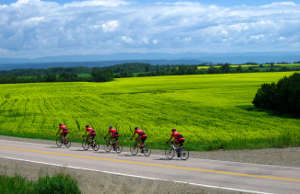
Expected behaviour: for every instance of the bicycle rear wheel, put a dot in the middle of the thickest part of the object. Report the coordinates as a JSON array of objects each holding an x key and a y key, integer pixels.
[
  {"x": 184, "y": 154},
  {"x": 58, "y": 141},
  {"x": 133, "y": 149},
  {"x": 170, "y": 153}
]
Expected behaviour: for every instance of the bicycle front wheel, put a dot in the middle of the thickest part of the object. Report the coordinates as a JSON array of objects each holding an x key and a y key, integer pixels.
[
  {"x": 58, "y": 141},
  {"x": 96, "y": 146},
  {"x": 119, "y": 149},
  {"x": 107, "y": 146},
  {"x": 68, "y": 144},
  {"x": 133, "y": 149},
  {"x": 170, "y": 153},
  {"x": 85, "y": 144}
]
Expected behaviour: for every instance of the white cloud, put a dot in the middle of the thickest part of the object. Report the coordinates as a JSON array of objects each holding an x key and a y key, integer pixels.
[
  {"x": 187, "y": 39},
  {"x": 94, "y": 3},
  {"x": 282, "y": 38},
  {"x": 110, "y": 26},
  {"x": 127, "y": 39},
  {"x": 257, "y": 37},
  {"x": 38, "y": 28},
  {"x": 281, "y": 4}
]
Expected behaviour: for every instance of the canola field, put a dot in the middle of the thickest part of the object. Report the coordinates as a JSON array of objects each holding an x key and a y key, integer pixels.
[{"x": 211, "y": 111}]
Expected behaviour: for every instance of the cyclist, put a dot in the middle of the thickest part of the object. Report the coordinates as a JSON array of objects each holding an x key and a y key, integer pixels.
[
  {"x": 179, "y": 140},
  {"x": 141, "y": 137},
  {"x": 64, "y": 133},
  {"x": 92, "y": 133},
  {"x": 114, "y": 138}
]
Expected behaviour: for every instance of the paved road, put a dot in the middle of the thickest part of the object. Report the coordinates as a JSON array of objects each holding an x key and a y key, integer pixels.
[{"x": 219, "y": 174}]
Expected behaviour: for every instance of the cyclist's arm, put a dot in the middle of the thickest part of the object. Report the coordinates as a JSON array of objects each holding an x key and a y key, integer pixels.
[
  {"x": 170, "y": 138},
  {"x": 58, "y": 131},
  {"x": 106, "y": 135},
  {"x": 133, "y": 135}
]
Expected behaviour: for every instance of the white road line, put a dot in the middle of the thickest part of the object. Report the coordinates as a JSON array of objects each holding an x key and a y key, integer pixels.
[
  {"x": 221, "y": 161},
  {"x": 135, "y": 176}
]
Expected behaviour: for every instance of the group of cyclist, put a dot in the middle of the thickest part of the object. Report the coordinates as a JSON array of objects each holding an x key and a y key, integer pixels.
[{"x": 90, "y": 134}]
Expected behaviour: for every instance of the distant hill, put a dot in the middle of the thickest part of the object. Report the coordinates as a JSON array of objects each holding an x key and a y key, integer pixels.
[{"x": 151, "y": 58}]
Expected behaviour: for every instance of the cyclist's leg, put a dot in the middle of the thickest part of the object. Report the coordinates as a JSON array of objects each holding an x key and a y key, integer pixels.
[
  {"x": 111, "y": 142},
  {"x": 66, "y": 138},
  {"x": 116, "y": 142},
  {"x": 177, "y": 147},
  {"x": 88, "y": 138},
  {"x": 139, "y": 141},
  {"x": 61, "y": 136},
  {"x": 143, "y": 139}
]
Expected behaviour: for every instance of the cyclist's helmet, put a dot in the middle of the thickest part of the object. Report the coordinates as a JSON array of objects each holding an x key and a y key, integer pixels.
[
  {"x": 110, "y": 127},
  {"x": 135, "y": 128},
  {"x": 87, "y": 126},
  {"x": 173, "y": 129}
]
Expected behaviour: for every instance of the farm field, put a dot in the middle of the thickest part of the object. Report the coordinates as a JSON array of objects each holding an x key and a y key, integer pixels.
[
  {"x": 211, "y": 111},
  {"x": 276, "y": 65}
]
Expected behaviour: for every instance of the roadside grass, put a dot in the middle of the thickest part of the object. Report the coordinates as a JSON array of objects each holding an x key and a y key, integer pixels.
[
  {"x": 60, "y": 183},
  {"x": 211, "y": 111}
]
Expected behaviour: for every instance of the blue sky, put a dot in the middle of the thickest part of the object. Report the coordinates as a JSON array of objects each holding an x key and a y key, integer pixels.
[
  {"x": 217, "y": 2},
  {"x": 37, "y": 28}
]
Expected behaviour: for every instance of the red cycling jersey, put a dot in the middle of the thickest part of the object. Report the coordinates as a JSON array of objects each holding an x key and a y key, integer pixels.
[
  {"x": 91, "y": 130},
  {"x": 140, "y": 133},
  {"x": 114, "y": 132},
  {"x": 64, "y": 128},
  {"x": 177, "y": 136}
]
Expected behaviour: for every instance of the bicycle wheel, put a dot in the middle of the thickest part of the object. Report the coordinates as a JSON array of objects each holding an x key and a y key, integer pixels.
[
  {"x": 58, "y": 141},
  {"x": 170, "y": 153},
  {"x": 68, "y": 144},
  {"x": 85, "y": 144},
  {"x": 147, "y": 151},
  {"x": 133, "y": 149},
  {"x": 107, "y": 146},
  {"x": 96, "y": 146},
  {"x": 119, "y": 148},
  {"x": 184, "y": 154}
]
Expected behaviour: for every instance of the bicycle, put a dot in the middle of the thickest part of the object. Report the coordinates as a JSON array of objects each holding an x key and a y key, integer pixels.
[
  {"x": 86, "y": 144},
  {"x": 111, "y": 144},
  {"x": 60, "y": 140},
  {"x": 135, "y": 149},
  {"x": 182, "y": 153}
]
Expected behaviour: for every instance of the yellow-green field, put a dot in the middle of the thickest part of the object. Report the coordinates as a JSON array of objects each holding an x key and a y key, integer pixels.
[
  {"x": 264, "y": 65},
  {"x": 211, "y": 111}
]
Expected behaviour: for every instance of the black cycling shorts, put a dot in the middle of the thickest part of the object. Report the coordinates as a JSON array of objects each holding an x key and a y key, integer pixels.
[{"x": 143, "y": 139}]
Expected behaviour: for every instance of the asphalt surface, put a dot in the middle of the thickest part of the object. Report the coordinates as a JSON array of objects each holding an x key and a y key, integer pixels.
[{"x": 234, "y": 176}]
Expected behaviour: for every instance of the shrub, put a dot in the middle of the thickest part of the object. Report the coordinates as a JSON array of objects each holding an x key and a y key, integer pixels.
[
  {"x": 16, "y": 184},
  {"x": 59, "y": 184},
  {"x": 283, "y": 96}
]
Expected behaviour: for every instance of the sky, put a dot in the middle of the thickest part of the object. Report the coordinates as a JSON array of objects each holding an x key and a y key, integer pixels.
[{"x": 39, "y": 28}]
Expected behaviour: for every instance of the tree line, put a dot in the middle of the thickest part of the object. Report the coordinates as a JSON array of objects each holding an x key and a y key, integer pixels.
[
  {"x": 282, "y": 97},
  {"x": 102, "y": 74}
]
